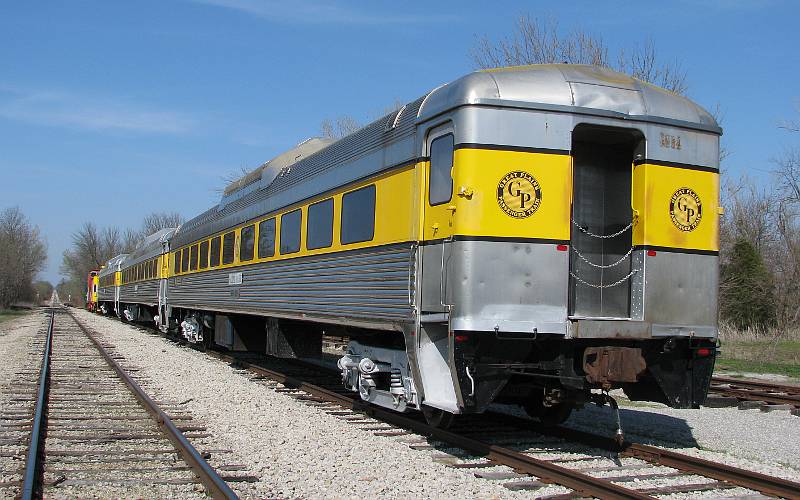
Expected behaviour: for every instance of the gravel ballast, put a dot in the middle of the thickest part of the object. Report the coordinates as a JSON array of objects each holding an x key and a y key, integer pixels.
[{"x": 297, "y": 450}]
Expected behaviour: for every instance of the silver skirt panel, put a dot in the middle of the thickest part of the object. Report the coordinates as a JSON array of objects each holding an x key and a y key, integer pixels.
[
  {"x": 372, "y": 286},
  {"x": 507, "y": 286},
  {"x": 145, "y": 292}
]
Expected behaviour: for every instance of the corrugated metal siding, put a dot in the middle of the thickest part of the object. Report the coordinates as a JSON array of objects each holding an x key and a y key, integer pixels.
[
  {"x": 369, "y": 284},
  {"x": 105, "y": 294},
  {"x": 145, "y": 292}
]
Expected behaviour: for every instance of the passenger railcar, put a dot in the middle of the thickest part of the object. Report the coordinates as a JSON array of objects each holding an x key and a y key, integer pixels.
[
  {"x": 535, "y": 235},
  {"x": 91, "y": 290},
  {"x": 109, "y": 279}
]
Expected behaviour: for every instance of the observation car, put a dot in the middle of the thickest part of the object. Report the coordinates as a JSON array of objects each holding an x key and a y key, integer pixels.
[{"x": 533, "y": 235}]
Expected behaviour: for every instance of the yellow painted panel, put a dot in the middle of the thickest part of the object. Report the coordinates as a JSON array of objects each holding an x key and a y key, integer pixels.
[
  {"x": 666, "y": 199},
  {"x": 396, "y": 220},
  {"x": 484, "y": 174}
]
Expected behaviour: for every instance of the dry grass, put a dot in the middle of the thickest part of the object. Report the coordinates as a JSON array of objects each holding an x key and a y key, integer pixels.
[{"x": 760, "y": 350}]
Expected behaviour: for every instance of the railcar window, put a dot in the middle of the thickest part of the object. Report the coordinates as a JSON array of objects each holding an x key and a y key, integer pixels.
[
  {"x": 319, "y": 229},
  {"x": 204, "y": 255},
  {"x": 215, "y": 243},
  {"x": 176, "y": 257},
  {"x": 228, "y": 243},
  {"x": 441, "y": 177},
  {"x": 185, "y": 260},
  {"x": 290, "y": 231},
  {"x": 358, "y": 215},
  {"x": 247, "y": 246},
  {"x": 266, "y": 238},
  {"x": 193, "y": 258}
]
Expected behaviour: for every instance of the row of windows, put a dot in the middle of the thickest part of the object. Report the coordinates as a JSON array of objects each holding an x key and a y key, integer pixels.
[
  {"x": 357, "y": 225},
  {"x": 107, "y": 280},
  {"x": 146, "y": 270}
]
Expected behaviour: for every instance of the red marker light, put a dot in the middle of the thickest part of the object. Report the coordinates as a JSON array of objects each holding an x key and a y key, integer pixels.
[
  {"x": 562, "y": 248},
  {"x": 461, "y": 338},
  {"x": 651, "y": 253},
  {"x": 703, "y": 351}
]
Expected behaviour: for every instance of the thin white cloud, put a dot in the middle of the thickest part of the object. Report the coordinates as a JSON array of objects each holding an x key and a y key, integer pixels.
[
  {"x": 61, "y": 109},
  {"x": 315, "y": 12}
]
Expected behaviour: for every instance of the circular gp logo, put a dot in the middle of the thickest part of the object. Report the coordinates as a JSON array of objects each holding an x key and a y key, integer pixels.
[
  {"x": 519, "y": 194},
  {"x": 685, "y": 209}
]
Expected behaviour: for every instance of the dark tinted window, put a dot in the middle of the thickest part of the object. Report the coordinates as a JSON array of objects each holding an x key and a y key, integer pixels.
[
  {"x": 177, "y": 262},
  {"x": 266, "y": 238},
  {"x": 319, "y": 231},
  {"x": 228, "y": 243},
  {"x": 215, "y": 246},
  {"x": 358, "y": 215},
  {"x": 184, "y": 260},
  {"x": 441, "y": 179},
  {"x": 193, "y": 258},
  {"x": 203, "y": 255},
  {"x": 247, "y": 246},
  {"x": 290, "y": 231}
]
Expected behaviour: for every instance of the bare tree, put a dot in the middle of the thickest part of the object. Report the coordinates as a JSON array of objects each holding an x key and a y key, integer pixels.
[
  {"x": 341, "y": 127},
  {"x": 23, "y": 254},
  {"x": 540, "y": 41},
  {"x": 157, "y": 221},
  {"x": 91, "y": 249}
]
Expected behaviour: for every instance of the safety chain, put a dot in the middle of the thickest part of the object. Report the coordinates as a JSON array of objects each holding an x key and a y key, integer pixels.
[
  {"x": 601, "y": 236},
  {"x": 598, "y": 265},
  {"x": 604, "y": 286}
]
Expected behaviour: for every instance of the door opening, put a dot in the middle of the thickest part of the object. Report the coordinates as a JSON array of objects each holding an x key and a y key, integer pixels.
[{"x": 602, "y": 221}]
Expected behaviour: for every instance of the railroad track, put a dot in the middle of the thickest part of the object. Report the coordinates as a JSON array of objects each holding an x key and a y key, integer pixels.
[
  {"x": 501, "y": 447},
  {"x": 786, "y": 396},
  {"x": 82, "y": 427},
  {"x": 490, "y": 444}
]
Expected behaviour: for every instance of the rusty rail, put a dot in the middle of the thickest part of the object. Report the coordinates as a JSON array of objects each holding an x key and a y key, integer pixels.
[
  {"x": 214, "y": 484},
  {"x": 583, "y": 484},
  {"x": 756, "y": 390},
  {"x": 757, "y": 481}
]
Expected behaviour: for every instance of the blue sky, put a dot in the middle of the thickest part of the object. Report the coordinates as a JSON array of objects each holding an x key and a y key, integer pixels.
[{"x": 110, "y": 110}]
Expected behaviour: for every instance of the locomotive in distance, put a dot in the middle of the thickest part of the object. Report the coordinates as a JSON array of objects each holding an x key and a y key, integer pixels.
[{"x": 532, "y": 235}]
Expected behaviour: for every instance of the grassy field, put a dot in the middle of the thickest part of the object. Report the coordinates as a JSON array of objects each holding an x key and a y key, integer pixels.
[
  {"x": 11, "y": 314},
  {"x": 760, "y": 351}
]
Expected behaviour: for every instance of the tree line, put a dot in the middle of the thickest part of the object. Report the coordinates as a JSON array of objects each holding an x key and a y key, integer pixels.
[
  {"x": 23, "y": 253},
  {"x": 92, "y": 247}
]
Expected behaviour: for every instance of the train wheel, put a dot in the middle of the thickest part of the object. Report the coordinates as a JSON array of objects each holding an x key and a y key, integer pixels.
[
  {"x": 549, "y": 416},
  {"x": 437, "y": 418}
]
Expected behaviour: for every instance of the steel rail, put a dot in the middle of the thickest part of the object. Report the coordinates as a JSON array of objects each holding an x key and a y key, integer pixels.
[
  {"x": 754, "y": 395},
  {"x": 215, "y": 485},
  {"x": 33, "y": 461},
  {"x": 757, "y": 481},
  {"x": 581, "y": 483},
  {"x": 786, "y": 388},
  {"x": 755, "y": 390}
]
